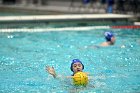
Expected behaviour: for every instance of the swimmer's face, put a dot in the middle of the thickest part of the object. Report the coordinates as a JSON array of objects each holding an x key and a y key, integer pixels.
[
  {"x": 77, "y": 67},
  {"x": 113, "y": 39}
]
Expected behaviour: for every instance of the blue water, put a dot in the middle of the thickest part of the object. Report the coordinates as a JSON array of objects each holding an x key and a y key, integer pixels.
[{"x": 114, "y": 69}]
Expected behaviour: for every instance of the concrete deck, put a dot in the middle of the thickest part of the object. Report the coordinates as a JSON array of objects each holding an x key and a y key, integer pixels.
[{"x": 64, "y": 17}]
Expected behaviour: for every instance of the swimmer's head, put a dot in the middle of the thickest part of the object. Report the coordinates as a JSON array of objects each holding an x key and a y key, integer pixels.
[
  {"x": 108, "y": 35},
  {"x": 74, "y": 61}
]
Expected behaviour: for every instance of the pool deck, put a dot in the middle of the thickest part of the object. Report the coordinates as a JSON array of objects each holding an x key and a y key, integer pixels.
[{"x": 65, "y": 17}]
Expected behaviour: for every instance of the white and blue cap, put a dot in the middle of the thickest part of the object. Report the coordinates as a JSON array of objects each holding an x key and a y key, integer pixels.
[
  {"x": 108, "y": 35},
  {"x": 75, "y": 61}
]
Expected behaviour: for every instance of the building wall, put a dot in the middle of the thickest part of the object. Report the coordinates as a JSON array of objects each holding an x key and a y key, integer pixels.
[{"x": 94, "y": 6}]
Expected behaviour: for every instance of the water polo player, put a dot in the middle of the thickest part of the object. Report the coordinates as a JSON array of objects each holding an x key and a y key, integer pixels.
[
  {"x": 79, "y": 77},
  {"x": 110, "y": 39},
  {"x": 76, "y": 66}
]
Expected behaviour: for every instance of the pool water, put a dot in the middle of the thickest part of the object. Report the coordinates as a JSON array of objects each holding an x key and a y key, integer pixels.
[{"x": 114, "y": 69}]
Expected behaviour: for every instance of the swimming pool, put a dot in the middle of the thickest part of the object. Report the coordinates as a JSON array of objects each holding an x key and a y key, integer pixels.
[{"x": 24, "y": 55}]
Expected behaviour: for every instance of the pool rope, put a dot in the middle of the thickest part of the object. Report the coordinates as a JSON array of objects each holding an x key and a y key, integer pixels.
[
  {"x": 126, "y": 27},
  {"x": 68, "y": 28},
  {"x": 53, "y": 29}
]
